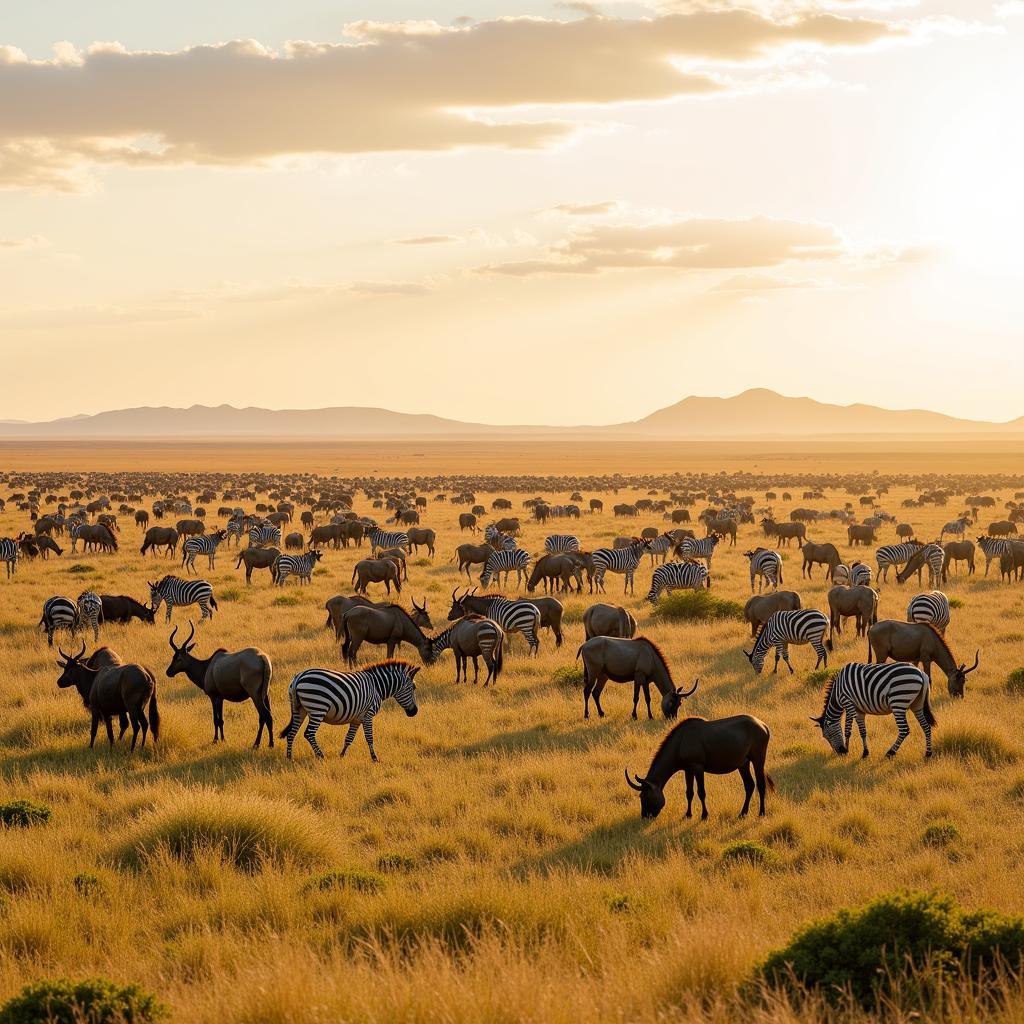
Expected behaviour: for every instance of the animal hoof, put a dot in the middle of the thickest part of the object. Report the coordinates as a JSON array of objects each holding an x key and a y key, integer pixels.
[{"x": 890, "y": 753}]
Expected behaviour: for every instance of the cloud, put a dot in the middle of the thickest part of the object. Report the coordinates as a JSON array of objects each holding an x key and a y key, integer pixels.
[
  {"x": 586, "y": 209},
  {"x": 428, "y": 240},
  {"x": 29, "y": 242},
  {"x": 745, "y": 284},
  {"x": 411, "y": 86}
]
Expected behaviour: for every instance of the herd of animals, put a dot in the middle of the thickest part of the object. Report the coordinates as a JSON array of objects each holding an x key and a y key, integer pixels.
[{"x": 87, "y": 511}]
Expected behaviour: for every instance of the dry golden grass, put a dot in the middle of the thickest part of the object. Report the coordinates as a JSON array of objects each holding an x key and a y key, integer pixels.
[{"x": 493, "y": 866}]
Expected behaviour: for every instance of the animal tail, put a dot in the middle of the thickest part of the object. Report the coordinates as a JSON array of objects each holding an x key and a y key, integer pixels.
[
  {"x": 154, "y": 714},
  {"x": 293, "y": 702},
  {"x": 869, "y": 650},
  {"x": 213, "y": 602},
  {"x": 828, "y": 643},
  {"x": 238, "y": 564},
  {"x": 347, "y": 643},
  {"x": 929, "y": 715},
  {"x": 579, "y": 652},
  {"x": 327, "y": 624}
]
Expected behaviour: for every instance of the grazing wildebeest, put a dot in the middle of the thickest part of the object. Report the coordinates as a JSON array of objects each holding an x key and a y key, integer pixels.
[
  {"x": 472, "y": 554},
  {"x": 422, "y": 537},
  {"x": 376, "y": 570},
  {"x": 467, "y": 521},
  {"x": 332, "y": 534},
  {"x": 257, "y": 558},
  {"x": 904, "y": 531},
  {"x": 637, "y": 661},
  {"x": 391, "y": 625},
  {"x": 820, "y": 554},
  {"x": 118, "y": 608},
  {"x": 927, "y": 555},
  {"x": 45, "y": 544},
  {"x": 95, "y": 535},
  {"x": 758, "y": 610},
  {"x": 785, "y": 532},
  {"x": 860, "y": 533},
  {"x": 339, "y": 604},
  {"x": 958, "y": 551},
  {"x": 293, "y": 542},
  {"x": 233, "y": 677},
  {"x": 160, "y": 537},
  {"x": 511, "y": 526},
  {"x": 190, "y": 527},
  {"x": 697, "y": 747},
  {"x": 473, "y": 637},
  {"x": 849, "y": 602},
  {"x": 608, "y": 620},
  {"x": 555, "y": 570},
  {"x": 112, "y": 688},
  {"x": 1002, "y": 528},
  {"x": 919, "y": 643},
  {"x": 723, "y": 527}
]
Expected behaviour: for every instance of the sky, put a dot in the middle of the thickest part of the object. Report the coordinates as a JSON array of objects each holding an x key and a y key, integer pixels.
[{"x": 510, "y": 211}]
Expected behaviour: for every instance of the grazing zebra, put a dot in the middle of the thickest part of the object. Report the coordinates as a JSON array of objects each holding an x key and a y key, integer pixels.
[
  {"x": 992, "y": 547},
  {"x": 263, "y": 535},
  {"x": 957, "y": 528},
  {"x": 505, "y": 562},
  {"x": 300, "y": 565},
  {"x": 489, "y": 638},
  {"x": 74, "y": 525},
  {"x": 661, "y": 545},
  {"x": 9, "y": 555},
  {"x": 235, "y": 528},
  {"x": 491, "y": 533},
  {"x": 513, "y": 615},
  {"x": 204, "y": 545},
  {"x": 704, "y": 548},
  {"x": 505, "y": 543},
  {"x": 621, "y": 560},
  {"x": 558, "y": 542},
  {"x": 931, "y": 555},
  {"x": 90, "y": 612},
  {"x": 180, "y": 593},
  {"x": 678, "y": 576},
  {"x": 383, "y": 539},
  {"x": 766, "y": 564},
  {"x": 894, "y": 555},
  {"x": 841, "y": 575},
  {"x": 932, "y": 608},
  {"x": 860, "y": 575},
  {"x": 348, "y": 698},
  {"x": 858, "y": 690},
  {"x": 59, "y": 613},
  {"x": 804, "y": 626}
]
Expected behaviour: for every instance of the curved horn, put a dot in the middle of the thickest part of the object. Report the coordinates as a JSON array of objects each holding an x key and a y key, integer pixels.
[
  {"x": 170, "y": 640},
  {"x": 689, "y": 692},
  {"x": 191, "y": 634},
  {"x": 454, "y": 592},
  {"x": 81, "y": 652},
  {"x": 66, "y": 657},
  {"x": 977, "y": 658},
  {"x": 630, "y": 782}
]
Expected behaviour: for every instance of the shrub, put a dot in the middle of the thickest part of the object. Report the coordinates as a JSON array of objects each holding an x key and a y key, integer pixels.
[
  {"x": 22, "y": 813},
  {"x": 955, "y": 602},
  {"x": 568, "y": 676},
  {"x": 349, "y": 878},
  {"x": 90, "y": 1001},
  {"x": 696, "y": 605},
  {"x": 81, "y": 569},
  {"x": 395, "y": 862},
  {"x": 940, "y": 834},
  {"x": 865, "y": 951},
  {"x": 230, "y": 594},
  {"x": 820, "y": 676},
  {"x": 86, "y": 883},
  {"x": 286, "y": 601},
  {"x": 745, "y": 850},
  {"x": 975, "y": 741},
  {"x": 1015, "y": 682}
]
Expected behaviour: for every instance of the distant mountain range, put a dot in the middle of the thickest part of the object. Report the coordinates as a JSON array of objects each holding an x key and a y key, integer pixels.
[{"x": 758, "y": 413}]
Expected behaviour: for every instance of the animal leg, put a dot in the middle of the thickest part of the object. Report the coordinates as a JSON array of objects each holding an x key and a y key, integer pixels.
[
  {"x": 598, "y": 688},
  {"x": 926, "y": 729},
  {"x": 136, "y": 725},
  {"x": 368, "y": 733},
  {"x": 748, "y": 787},
  {"x": 476, "y": 669},
  {"x": 689, "y": 793},
  {"x": 900, "y": 714},
  {"x": 700, "y": 796},
  {"x": 95, "y": 729},
  {"x": 310, "y": 733},
  {"x": 762, "y": 781}
]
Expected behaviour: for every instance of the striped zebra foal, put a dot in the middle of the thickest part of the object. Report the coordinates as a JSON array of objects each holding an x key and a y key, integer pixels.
[
  {"x": 992, "y": 548},
  {"x": 560, "y": 542},
  {"x": 932, "y": 608},
  {"x": 860, "y": 575},
  {"x": 619, "y": 560},
  {"x": 175, "y": 592},
  {"x": 384, "y": 539},
  {"x": 301, "y": 566},
  {"x": 804, "y": 626},
  {"x": 660, "y": 547},
  {"x": 59, "y": 613},
  {"x": 90, "y": 612},
  {"x": 703, "y": 548},
  {"x": 263, "y": 536},
  {"x": 767, "y": 565},
  {"x": 9, "y": 555},
  {"x": 516, "y": 560},
  {"x": 889, "y": 689},
  {"x": 678, "y": 576},
  {"x": 206, "y": 544},
  {"x": 347, "y": 698},
  {"x": 893, "y": 556}
]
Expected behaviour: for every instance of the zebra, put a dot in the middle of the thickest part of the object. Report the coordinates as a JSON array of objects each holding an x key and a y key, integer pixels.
[
  {"x": 957, "y": 528},
  {"x": 891, "y": 688},
  {"x": 889, "y": 555},
  {"x": 621, "y": 560},
  {"x": 932, "y": 607},
  {"x": 804, "y": 626},
  {"x": 513, "y": 615},
  {"x": 74, "y": 525},
  {"x": 9, "y": 555},
  {"x": 860, "y": 575},
  {"x": 661, "y": 545},
  {"x": 352, "y": 698},
  {"x": 561, "y": 542},
  {"x": 993, "y": 549},
  {"x": 235, "y": 528},
  {"x": 505, "y": 562},
  {"x": 300, "y": 565},
  {"x": 260, "y": 535},
  {"x": 90, "y": 612},
  {"x": 931, "y": 555},
  {"x": 704, "y": 548},
  {"x": 678, "y": 576},
  {"x": 491, "y": 533},
  {"x": 204, "y": 545},
  {"x": 383, "y": 539},
  {"x": 490, "y": 637},
  {"x": 179, "y": 592},
  {"x": 505, "y": 543},
  {"x": 59, "y": 613},
  {"x": 768, "y": 565}
]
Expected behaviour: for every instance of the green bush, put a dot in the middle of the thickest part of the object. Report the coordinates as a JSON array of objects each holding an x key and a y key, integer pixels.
[
  {"x": 940, "y": 835},
  {"x": 349, "y": 878},
  {"x": 745, "y": 850},
  {"x": 569, "y": 676},
  {"x": 1015, "y": 682},
  {"x": 81, "y": 569},
  {"x": 90, "y": 1001},
  {"x": 820, "y": 676},
  {"x": 230, "y": 594},
  {"x": 286, "y": 601},
  {"x": 955, "y": 602},
  {"x": 865, "y": 951},
  {"x": 696, "y": 605},
  {"x": 22, "y": 813}
]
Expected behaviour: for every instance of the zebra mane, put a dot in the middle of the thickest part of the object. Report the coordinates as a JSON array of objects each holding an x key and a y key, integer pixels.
[
  {"x": 386, "y": 663},
  {"x": 658, "y": 651},
  {"x": 486, "y": 597},
  {"x": 670, "y": 735}
]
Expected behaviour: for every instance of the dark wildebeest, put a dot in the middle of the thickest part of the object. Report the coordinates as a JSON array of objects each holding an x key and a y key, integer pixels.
[
  {"x": 820, "y": 554},
  {"x": 639, "y": 662},
  {"x": 904, "y": 531},
  {"x": 472, "y": 554},
  {"x": 698, "y": 747},
  {"x": 306, "y": 519},
  {"x": 112, "y": 689},
  {"x": 919, "y": 643},
  {"x": 723, "y": 527},
  {"x": 550, "y": 609},
  {"x": 510, "y": 526},
  {"x": 339, "y": 604},
  {"x": 233, "y": 677},
  {"x": 160, "y": 537},
  {"x": 396, "y": 555},
  {"x": 849, "y": 602},
  {"x": 257, "y": 558},
  {"x": 293, "y": 542},
  {"x": 785, "y": 532},
  {"x": 596, "y": 505},
  {"x": 422, "y": 537},
  {"x": 46, "y": 544},
  {"x": 1011, "y": 562},
  {"x": 95, "y": 535},
  {"x": 957, "y": 551},
  {"x": 680, "y": 515},
  {"x": 474, "y": 637},
  {"x": 376, "y": 570},
  {"x": 123, "y": 609},
  {"x": 467, "y": 521},
  {"x": 608, "y": 620},
  {"x": 1002, "y": 528},
  {"x": 331, "y": 534},
  {"x": 759, "y": 609},
  {"x": 391, "y": 625},
  {"x": 352, "y": 531},
  {"x": 555, "y": 569},
  {"x": 860, "y": 533},
  {"x": 190, "y": 527}
]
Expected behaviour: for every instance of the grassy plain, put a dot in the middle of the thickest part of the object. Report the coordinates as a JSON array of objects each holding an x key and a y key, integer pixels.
[{"x": 493, "y": 866}]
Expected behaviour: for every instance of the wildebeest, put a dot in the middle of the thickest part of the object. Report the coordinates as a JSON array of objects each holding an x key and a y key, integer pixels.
[
  {"x": 784, "y": 532},
  {"x": 511, "y": 526},
  {"x": 472, "y": 554},
  {"x": 860, "y": 533},
  {"x": 637, "y": 661},
  {"x": 1002, "y": 528},
  {"x": 958, "y": 551},
  {"x": 551, "y": 610},
  {"x": 758, "y": 610},
  {"x": 1011, "y": 561},
  {"x": 467, "y": 521},
  {"x": 339, "y": 604},
  {"x": 819, "y": 554},
  {"x": 904, "y": 531},
  {"x": 332, "y": 534},
  {"x": 112, "y": 688},
  {"x": 422, "y": 537},
  {"x": 723, "y": 527},
  {"x": 190, "y": 527},
  {"x": 596, "y": 505},
  {"x": 160, "y": 537},
  {"x": 474, "y": 637},
  {"x": 396, "y": 555},
  {"x": 95, "y": 535},
  {"x": 376, "y": 570},
  {"x": 118, "y": 608},
  {"x": 226, "y": 676},
  {"x": 45, "y": 544},
  {"x": 608, "y": 620},
  {"x": 391, "y": 625},
  {"x": 697, "y": 747},
  {"x": 257, "y": 558},
  {"x": 920, "y": 644},
  {"x": 293, "y": 542},
  {"x": 554, "y": 570},
  {"x": 850, "y": 602}
]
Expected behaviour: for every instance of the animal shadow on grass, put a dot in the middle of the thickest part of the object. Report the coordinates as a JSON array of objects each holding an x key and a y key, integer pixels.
[
  {"x": 817, "y": 771},
  {"x": 543, "y": 739}
]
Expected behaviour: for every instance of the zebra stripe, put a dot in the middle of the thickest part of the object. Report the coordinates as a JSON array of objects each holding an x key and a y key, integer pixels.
[
  {"x": 348, "y": 698},
  {"x": 932, "y": 608},
  {"x": 678, "y": 576},
  {"x": 860, "y": 575},
  {"x": 203, "y": 545},
  {"x": 260, "y": 535},
  {"x": 890, "y": 555},
  {"x": 514, "y": 616},
  {"x": 661, "y": 545},
  {"x": 620, "y": 560},
  {"x": 489, "y": 637},
  {"x": 90, "y": 612},
  {"x": 383, "y": 539},
  {"x": 59, "y": 613},
  {"x": 993, "y": 549},
  {"x": 181, "y": 593},
  {"x": 957, "y": 528},
  {"x": 804, "y": 626},
  {"x": 559, "y": 542},
  {"x": 506, "y": 562},
  {"x": 931, "y": 555},
  {"x": 704, "y": 548},
  {"x": 9, "y": 555},
  {"x": 891, "y": 688},
  {"x": 300, "y": 565},
  {"x": 766, "y": 564}
]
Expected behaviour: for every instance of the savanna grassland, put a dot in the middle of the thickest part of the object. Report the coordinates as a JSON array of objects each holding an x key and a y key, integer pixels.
[{"x": 493, "y": 866}]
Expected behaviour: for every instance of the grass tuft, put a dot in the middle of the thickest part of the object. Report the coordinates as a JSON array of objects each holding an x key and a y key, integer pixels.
[
  {"x": 696, "y": 605},
  {"x": 750, "y": 852},
  {"x": 22, "y": 813},
  {"x": 972, "y": 741}
]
